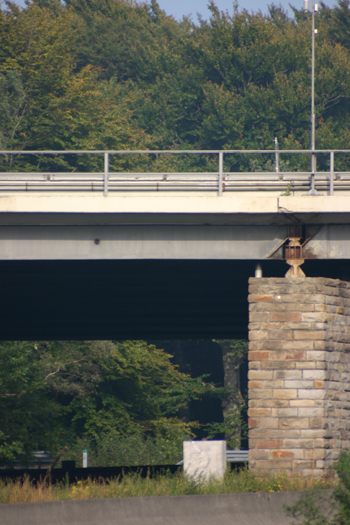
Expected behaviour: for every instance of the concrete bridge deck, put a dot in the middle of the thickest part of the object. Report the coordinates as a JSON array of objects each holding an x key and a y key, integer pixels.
[{"x": 129, "y": 226}]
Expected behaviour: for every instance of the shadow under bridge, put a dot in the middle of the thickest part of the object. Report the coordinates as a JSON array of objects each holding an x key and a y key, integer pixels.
[{"x": 125, "y": 299}]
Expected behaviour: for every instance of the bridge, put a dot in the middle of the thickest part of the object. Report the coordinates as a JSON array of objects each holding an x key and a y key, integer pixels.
[
  {"x": 85, "y": 254},
  {"x": 118, "y": 253}
]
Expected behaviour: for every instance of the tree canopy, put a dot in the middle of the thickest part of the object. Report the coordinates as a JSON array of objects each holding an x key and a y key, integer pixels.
[
  {"x": 53, "y": 393},
  {"x": 88, "y": 74}
]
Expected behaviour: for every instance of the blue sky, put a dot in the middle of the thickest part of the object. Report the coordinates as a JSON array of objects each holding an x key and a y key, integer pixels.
[{"x": 180, "y": 8}]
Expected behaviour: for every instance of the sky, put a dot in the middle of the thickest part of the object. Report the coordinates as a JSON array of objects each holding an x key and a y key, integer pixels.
[{"x": 180, "y": 8}]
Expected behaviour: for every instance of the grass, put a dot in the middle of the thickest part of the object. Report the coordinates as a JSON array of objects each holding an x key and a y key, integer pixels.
[{"x": 163, "y": 485}]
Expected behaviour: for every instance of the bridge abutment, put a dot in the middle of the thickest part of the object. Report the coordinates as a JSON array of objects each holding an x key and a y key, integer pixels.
[{"x": 299, "y": 374}]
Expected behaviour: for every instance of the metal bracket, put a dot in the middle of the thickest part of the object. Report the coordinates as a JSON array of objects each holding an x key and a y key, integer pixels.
[{"x": 293, "y": 252}]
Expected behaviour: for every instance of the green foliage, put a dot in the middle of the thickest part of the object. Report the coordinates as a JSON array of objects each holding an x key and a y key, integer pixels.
[
  {"x": 342, "y": 490},
  {"x": 118, "y": 74},
  {"x": 321, "y": 507},
  {"x": 69, "y": 393},
  {"x": 313, "y": 508},
  {"x": 135, "y": 449},
  {"x": 133, "y": 485},
  {"x": 235, "y": 348},
  {"x": 233, "y": 420}
]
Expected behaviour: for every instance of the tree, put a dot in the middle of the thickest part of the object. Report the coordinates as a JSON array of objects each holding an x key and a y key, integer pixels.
[
  {"x": 234, "y": 353},
  {"x": 54, "y": 393}
]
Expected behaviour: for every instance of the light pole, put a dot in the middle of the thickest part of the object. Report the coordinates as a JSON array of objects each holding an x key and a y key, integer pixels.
[{"x": 312, "y": 190}]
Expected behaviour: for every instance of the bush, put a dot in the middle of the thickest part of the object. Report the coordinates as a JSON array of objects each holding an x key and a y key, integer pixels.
[{"x": 321, "y": 508}]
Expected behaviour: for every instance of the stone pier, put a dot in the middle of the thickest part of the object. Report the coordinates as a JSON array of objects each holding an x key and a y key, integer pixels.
[{"x": 299, "y": 374}]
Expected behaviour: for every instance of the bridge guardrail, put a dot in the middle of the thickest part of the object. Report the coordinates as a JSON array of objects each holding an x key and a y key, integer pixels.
[{"x": 163, "y": 180}]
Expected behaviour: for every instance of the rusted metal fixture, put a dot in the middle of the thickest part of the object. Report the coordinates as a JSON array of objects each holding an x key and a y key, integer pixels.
[{"x": 293, "y": 252}]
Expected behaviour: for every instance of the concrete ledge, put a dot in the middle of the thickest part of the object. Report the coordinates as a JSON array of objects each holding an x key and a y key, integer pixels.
[
  {"x": 226, "y": 509},
  {"x": 164, "y": 203}
]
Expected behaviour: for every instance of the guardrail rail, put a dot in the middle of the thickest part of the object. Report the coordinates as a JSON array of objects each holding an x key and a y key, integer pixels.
[{"x": 221, "y": 181}]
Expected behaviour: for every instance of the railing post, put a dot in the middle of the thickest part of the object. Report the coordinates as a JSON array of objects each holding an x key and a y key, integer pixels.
[
  {"x": 221, "y": 171},
  {"x": 331, "y": 174},
  {"x": 105, "y": 179},
  {"x": 277, "y": 156}
]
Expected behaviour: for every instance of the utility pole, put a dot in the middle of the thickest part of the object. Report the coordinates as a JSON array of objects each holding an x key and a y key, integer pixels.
[{"x": 314, "y": 31}]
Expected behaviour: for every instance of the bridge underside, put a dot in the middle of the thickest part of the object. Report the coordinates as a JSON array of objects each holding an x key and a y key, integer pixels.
[{"x": 133, "y": 299}]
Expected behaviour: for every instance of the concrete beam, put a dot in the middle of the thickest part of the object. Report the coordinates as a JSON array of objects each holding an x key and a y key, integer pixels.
[
  {"x": 232, "y": 204},
  {"x": 139, "y": 242}
]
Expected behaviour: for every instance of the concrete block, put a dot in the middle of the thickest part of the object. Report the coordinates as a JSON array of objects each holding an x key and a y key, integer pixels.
[{"x": 204, "y": 459}]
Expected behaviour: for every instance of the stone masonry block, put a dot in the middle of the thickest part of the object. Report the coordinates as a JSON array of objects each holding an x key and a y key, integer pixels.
[
  {"x": 269, "y": 422},
  {"x": 286, "y": 316},
  {"x": 278, "y": 365},
  {"x": 314, "y": 317},
  {"x": 284, "y": 335},
  {"x": 256, "y": 317},
  {"x": 256, "y": 412},
  {"x": 266, "y": 466},
  {"x": 255, "y": 384},
  {"x": 294, "y": 422},
  {"x": 285, "y": 393},
  {"x": 287, "y": 355},
  {"x": 260, "y": 374},
  {"x": 311, "y": 394},
  {"x": 259, "y": 454},
  {"x": 288, "y": 375},
  {"x": 258, "y": 356},
  {"x": 285, "y": 433},
  {"x": 296, "y": 346},
  {"x": 316, "y": 355},
  {"x": 257, "y": 393},
  {"x": 284, "y": 412},
  {"x": 299, "y": 384},
  {"x": 314, "y": 374},
  {"x": 312, "y": 433},
  {"x": 303, "y": 464},
  {"x": 270, "y": 403},
  {"x": 269, "y": 443},
  {"x": 310, "y": 412},
  {"x": 274, "y": 383},
  {"x": 317, "y": 453},
  {"x": 304, "y": 365},
  {"x": 302, "y": 403},
  {"x": 256, "y": 335},
  {"x": 296, "y": 453},
  {"x": 312, "y": 334},
  {"x": 264, "y": 298},
  {"x": 298, "y": 443}
]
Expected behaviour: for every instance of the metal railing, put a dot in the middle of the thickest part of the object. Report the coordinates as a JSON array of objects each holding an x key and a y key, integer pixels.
[{"x": 219, "y": 180}]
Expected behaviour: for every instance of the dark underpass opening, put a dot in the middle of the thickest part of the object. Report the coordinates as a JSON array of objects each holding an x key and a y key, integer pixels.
[{"x": 134, "y": 299}]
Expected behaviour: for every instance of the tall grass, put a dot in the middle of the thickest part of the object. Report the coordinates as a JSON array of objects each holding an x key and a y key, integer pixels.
[{"x": 132, "y": 485}]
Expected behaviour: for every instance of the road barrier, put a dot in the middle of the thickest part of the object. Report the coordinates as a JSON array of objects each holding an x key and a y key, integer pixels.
[
  {"x": 226, "y": 509},
  {"x": 114, "y": 177}
]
